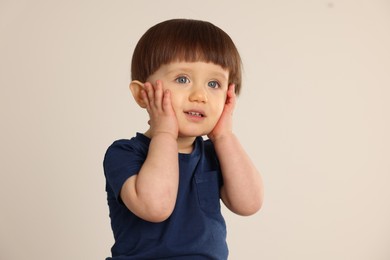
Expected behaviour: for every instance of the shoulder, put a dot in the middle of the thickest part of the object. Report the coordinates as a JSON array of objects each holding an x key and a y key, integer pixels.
[
  {"x": 208, "y": 146},
  {"x": 139, "y": 142},
  {"x": 123, "y": 148},
  {"x": 207, "y": 142},
  {"x": 208, "y": 152}
]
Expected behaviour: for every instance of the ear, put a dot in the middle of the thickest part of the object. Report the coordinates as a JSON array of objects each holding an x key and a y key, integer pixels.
[{"x": 136, "y": 87}]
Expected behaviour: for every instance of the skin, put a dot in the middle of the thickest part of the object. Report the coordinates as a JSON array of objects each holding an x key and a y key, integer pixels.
[{"x": 186, "y": 100}]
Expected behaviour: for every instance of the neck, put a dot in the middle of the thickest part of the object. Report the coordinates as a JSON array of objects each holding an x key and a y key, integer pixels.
[{"x": 185, "y": 144}]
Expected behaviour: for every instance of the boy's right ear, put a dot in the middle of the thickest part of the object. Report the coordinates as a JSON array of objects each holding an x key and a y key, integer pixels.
[{"x": 136, "y": 88}]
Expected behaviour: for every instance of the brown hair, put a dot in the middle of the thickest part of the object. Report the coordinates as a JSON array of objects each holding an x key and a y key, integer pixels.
[{"x": 185, "y": 40}]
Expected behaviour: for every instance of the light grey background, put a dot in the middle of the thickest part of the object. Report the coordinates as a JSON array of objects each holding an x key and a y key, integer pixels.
[{"x": 313, "y": 115}]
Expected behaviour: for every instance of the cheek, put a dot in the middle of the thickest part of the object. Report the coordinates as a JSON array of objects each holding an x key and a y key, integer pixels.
[
  {"x": 174, "y": 96},
  {"x": 220, "y": 110},
  {"x": 175, "y": 102},
  {"x": 220, "y": 104},
  {"x": 217, "y": 112}
]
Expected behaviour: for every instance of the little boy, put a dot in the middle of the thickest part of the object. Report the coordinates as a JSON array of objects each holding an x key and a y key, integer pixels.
[{"x": 164, "y": 186}]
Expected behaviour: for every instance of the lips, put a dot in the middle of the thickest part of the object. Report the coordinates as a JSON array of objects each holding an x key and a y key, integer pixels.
[{"x": 195, "y": 113}]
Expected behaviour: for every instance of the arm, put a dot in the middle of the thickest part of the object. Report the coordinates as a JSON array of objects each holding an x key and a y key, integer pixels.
[
  {"x": 151, "y": 194},
  {"x": 242, "y": 191}
]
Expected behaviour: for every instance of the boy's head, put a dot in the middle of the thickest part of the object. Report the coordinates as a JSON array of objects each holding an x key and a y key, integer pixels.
[{"x": 189, "y": 41}]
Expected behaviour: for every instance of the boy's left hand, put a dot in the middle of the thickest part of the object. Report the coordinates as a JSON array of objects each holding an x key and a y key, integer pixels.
[{"x": 224, "y": 125}]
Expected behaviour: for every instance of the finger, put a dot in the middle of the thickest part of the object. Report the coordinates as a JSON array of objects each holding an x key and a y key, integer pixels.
[
  {"x": 145, "y": 96},
  {"x": 231, "y": 95},
  {"x": 146, "y": 101},
  {"x": 232, "y": 88},
  {"x": 158, "y": 94},
  {"x": 150, "y": 93},
  {"x": 167, "y": 102}
]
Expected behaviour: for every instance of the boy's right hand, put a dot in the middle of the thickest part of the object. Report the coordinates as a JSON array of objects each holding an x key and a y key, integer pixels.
[
  {"x": 161, "y": 113},
  {"x": 151, "y": 193}
]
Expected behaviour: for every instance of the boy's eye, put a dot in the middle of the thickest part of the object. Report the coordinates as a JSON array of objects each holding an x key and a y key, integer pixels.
[
  {"x": 213, "y": 84},
  {"x": 182, "y": 80}
]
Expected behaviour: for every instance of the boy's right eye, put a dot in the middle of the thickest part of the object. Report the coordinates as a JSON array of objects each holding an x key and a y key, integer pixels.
[{"x": 182, "y": 80}]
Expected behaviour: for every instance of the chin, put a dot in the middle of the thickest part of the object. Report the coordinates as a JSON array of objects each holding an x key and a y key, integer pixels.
[{"x": 192, "y": 133}]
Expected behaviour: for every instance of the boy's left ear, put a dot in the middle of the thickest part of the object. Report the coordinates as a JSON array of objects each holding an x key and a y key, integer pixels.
[{"x": 136, "y": 88}]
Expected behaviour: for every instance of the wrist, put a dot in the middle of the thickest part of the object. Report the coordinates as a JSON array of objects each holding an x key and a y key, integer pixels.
[
  {"x": 220, "y": 137},
  {"x": 165, "y": 134}
]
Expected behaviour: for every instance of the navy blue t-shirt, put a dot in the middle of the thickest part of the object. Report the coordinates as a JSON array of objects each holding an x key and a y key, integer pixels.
[{"x": 195, "y": 230}]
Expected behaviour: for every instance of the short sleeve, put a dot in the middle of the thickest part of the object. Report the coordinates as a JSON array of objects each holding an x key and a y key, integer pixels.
[{"x": 123, "y": 159}]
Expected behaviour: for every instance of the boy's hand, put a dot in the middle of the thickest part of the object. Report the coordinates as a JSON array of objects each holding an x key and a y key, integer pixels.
[
  {"x": 224, "y": 125},
  {"x": 160, "y": 110}
]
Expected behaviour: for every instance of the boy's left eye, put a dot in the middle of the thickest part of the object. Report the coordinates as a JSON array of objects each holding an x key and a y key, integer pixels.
[{"x": 213, "y": 84}]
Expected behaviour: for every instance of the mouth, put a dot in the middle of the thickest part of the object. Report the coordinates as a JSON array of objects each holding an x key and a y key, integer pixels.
[{"x": 195, "y": 113}]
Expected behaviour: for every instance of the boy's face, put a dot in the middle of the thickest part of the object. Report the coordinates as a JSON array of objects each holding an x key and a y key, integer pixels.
[{"x": 198, "y": 91}]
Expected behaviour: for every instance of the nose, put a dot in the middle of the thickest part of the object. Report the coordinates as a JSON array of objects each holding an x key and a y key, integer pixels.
[{"x": 198, "y": 94}]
